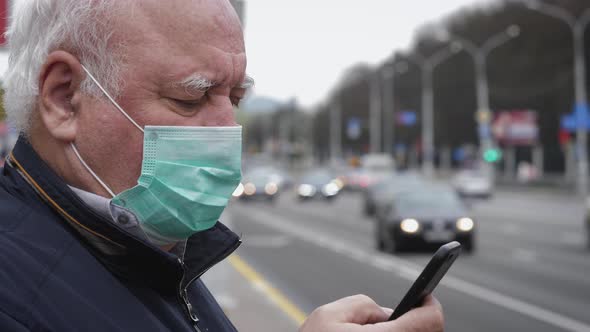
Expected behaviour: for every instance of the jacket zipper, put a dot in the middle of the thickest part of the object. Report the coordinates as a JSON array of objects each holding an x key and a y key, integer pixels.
[
  {"x": 186, "y": 303},
  {"x": 183, "y": 290}
]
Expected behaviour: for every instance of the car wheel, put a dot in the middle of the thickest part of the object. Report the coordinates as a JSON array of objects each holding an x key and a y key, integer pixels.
[
  {"x": 398, "y": 247},
  {"x": 469, "y": 246},
  {"x": 369, "y": 210},
  {"x": 379, "y": 243}
]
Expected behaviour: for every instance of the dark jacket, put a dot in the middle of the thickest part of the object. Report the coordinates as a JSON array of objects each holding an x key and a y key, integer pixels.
[{"x": 65, "y": 268}]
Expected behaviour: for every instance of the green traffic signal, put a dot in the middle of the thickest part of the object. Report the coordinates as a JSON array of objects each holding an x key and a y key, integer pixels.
[{"x": 492, "y": 155}]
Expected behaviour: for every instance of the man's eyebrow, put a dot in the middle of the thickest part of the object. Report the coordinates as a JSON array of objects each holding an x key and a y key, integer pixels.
[
  {"x": 247, "y": 83},
  {"x": 195, "y": 83}
]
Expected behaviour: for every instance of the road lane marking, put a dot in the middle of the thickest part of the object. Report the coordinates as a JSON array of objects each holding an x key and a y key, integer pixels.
[
  {"x": 410, "y": 271},
  {"x": 524, "y": 255},
  {"x": 280, "y": 300},
  {"x": 267, "y": 241},
  {"x": 573, "y": 238},
  {"x": 510, "y": 229}
]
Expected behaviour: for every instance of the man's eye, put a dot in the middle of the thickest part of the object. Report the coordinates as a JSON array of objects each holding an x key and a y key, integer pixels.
[{"x": 187, "y": 104}]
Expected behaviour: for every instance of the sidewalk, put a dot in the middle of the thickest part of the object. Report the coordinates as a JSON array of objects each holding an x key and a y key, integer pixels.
[{"x": 248, "y": 300}]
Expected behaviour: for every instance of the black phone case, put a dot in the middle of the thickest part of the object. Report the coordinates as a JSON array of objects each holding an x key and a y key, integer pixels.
[{"x": 429, "y": 278}]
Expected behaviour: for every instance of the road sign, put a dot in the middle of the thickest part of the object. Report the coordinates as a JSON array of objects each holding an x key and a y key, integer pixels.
[
  {"x": 571, "y": 122},
  {"x": 516, "y": 127},
  {"x": 406, "y": 118},
  {"x": 564, "y": 137},
  {"x": 483, "y": 116},
  {"x": 581, "y": 112},
  {"x": 353, "y": 128},
  {"x": 484, "y": 131}
]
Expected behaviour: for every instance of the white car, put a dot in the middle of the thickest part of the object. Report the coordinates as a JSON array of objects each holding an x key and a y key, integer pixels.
[{"x": 473, "y": 183}]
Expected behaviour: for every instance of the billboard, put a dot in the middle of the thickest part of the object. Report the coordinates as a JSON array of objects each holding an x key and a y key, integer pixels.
[{"x": 516, "y": 128}]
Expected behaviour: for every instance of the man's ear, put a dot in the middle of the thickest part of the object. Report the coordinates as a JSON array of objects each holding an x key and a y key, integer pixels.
[{"x": 59, "y": 90}]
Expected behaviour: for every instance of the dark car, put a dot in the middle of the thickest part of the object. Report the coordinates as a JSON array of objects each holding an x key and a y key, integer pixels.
[
  {"x": 381, "y": 193},
  {"x": 258, "y": 185},
  {"x": 588, "y": 231},
  {"x": 425, "y": 215},
  {"x": 318, "y": 183}
]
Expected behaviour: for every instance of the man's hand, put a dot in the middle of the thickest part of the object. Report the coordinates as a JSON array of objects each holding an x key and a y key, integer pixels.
[{"x": 361, "y": 314}]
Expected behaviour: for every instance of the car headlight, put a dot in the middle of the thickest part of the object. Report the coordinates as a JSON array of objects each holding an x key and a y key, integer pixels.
[
  {"x": 465, "y": 224},
  {"x": 410, "y": 226},
  {"x": 306, "y": 190},
  {"x": 239, "y": 191},
  {"x": 249, "y": 189},
  {"x": 271, "y": 188},
  {"x": 339, "y": 182},
  {"x": 330, "y": 189}
]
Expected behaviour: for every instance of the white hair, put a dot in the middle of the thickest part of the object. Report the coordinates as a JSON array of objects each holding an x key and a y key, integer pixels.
[{"x": 39, "y": 27}]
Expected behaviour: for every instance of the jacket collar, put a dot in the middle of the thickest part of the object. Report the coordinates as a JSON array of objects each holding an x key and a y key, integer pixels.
[{"x": 124, "y": 254}]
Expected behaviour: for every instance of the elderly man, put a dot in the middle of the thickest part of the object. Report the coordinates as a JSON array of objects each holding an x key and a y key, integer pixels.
[{"x": 128, "y": 155}]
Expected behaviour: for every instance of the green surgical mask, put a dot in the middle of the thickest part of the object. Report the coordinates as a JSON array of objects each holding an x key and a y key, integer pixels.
[{"x": 187, "y": 178}]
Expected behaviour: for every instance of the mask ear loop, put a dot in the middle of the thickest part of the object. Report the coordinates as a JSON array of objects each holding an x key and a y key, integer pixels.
[
  {"x": 111, "y": 98},
  {"x": 91, "y": 171}
]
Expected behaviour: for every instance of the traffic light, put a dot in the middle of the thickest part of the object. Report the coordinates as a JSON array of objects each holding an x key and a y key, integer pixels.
[{"x": 492, "y": 155}]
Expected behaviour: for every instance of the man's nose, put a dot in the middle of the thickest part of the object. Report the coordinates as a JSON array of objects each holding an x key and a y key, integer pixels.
[{"x": 222, "y": 116}]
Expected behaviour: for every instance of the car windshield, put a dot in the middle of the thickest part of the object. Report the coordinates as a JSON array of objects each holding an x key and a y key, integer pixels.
[
  {"x": 317, "y": 178},
  {"x": 428, "y": 200},
  {"x": 258, "y": 178}
]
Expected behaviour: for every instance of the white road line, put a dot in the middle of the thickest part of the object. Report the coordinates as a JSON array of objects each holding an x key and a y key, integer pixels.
[
  {"x": 572, "y": 238},
  {"x": 524, "y": 255},
  {"x": 267, "y": 241},
  {"x": 410, "y": 271}
]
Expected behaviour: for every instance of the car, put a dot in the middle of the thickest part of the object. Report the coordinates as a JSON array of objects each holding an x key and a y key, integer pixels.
[
  {"x": 318, "y": 183},
  {"x": 381, "y": 193},
  {"x": 374, "y": 168},
  {"x": 473, "y": 184},
  {"x": 356, "y": 180},
  {"x": 426, "y": 215},
  {"x": 257, "y": 185}
]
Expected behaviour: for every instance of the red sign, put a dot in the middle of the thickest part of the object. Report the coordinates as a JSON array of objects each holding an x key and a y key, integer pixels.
[
  {"x": 4, "y": 13},
  {"x": 516, "y": 127},
  {"x": 564, "y": 137}
]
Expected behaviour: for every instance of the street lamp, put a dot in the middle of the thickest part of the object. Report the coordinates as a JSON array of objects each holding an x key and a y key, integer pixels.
[
  {"x": 375, "y": 112},
  {"x": 388, "y": 75},
  {"x": 335, "y": 129},
  {"x": 578, "y": 26},
  {"x": 480, "y": 55},
  {"x": 427, "y": 66}
]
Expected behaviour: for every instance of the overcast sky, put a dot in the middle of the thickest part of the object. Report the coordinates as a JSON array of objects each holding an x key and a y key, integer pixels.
[{"x": 300, "y": 48}]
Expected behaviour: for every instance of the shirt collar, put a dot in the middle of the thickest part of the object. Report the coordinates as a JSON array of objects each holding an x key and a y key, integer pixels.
[{"x": 119, "y": 216}]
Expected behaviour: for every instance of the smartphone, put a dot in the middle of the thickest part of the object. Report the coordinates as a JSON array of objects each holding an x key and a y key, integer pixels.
[{"x": 438, "y": 266}]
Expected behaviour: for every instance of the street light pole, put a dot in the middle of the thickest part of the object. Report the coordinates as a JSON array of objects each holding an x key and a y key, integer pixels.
[
  {"x": 578, "y": 26},
  {"x": 335, "y": 129},
  {"x": 480, "y": 55},
  {"x": 427, "y": 66},
  {"x": 389, "y": 101},
  {"x": 375, "y": 113}
]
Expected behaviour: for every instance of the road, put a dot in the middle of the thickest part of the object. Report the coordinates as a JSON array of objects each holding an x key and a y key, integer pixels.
[{"x": 530, "y": 271}]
